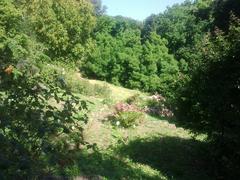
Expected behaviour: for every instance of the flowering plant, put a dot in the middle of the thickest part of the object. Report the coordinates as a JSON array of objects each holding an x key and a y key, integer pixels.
[
  {"x": 127, "y": 115},
  {"x": 157, "y": 106}
]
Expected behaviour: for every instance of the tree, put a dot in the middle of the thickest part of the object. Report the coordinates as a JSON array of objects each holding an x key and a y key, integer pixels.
[
  {"x": 210, "y": 102},
  {"x": 183, "y": 26},
  {"x": 158, "y": 66},
  {"x": 118, "y": 47},
  {"x": 33, "y": 131},
  {"x": 222, "y": 10},
  {"x": 64, "y": 27}
]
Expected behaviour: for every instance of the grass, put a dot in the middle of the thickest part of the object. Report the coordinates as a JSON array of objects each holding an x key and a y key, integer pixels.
[
  {"x": 155, "y": 149},
  {"x": 117, "y": 93},
  {"x": 174, "y": 157}
]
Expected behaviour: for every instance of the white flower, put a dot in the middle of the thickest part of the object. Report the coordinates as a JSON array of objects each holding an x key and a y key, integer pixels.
[{"x": 117, "y": 123}]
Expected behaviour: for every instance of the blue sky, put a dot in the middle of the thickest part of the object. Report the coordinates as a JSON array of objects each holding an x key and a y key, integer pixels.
[{"x": 137, "y": 9}]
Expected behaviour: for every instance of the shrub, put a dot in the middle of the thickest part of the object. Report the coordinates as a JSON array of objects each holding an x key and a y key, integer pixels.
[
  {"x": 136, "y": 99},
  {"x": 79, "y": 85},
  {"x": 157, "y": 105},
  {"x": 128, "y": 118},
  {"x": 210, "y": 102},
  {"x": 86, "y": 88},
  {"x": 72, "y": 81},
  {"x": 127, "y": 115},
  {"x": 32, "y": 128}
]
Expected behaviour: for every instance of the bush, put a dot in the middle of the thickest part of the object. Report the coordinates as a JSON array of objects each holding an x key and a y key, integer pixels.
[
  {"x": 68, "y": 78},
  {"x": 128, "y": 119},
  {"x": 127, "y": 115},
  {"x": 157, "y": 105},
  {"x": 154, "y": 105},
  {"x": 210, "y": 102},
  {"x": 32, "y": 128},
  {"x": 82, "y": 86},
  {"x": 136, "y": 99}
]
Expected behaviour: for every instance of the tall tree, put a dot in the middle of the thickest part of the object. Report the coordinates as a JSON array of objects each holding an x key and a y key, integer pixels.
[{"x": 64, "y": 27}]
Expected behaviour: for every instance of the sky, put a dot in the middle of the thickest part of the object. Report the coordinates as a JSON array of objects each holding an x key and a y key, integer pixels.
[{"x": 137, "y": 9}]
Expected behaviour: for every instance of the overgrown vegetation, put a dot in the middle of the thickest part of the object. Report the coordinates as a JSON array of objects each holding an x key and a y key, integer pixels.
[
  {"x": 187, "y": 56},
  {"x": 39, "y": 119}
]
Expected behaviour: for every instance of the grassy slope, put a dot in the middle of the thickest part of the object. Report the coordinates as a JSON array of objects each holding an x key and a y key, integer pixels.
[{"x": 156, "y": 149}]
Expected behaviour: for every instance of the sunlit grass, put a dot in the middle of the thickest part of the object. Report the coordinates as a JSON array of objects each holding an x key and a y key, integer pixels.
[{"x": 155, "y": 149}]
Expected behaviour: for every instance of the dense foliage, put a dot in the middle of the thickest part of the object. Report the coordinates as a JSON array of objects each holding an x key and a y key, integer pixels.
[
  {"x": 210, "y": 101},
  {"x": 122, "y": 57},
  {"x": 200, "y": 78},
  {"x": 204, "y": 38},
  {"x": 189, "y": 54},
  {"x": 40, "y": 121}
]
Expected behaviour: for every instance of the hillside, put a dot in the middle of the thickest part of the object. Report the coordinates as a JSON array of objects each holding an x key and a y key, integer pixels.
[
  {"x": 154, "y": 149},
  {"x": 90, "y": 96}
]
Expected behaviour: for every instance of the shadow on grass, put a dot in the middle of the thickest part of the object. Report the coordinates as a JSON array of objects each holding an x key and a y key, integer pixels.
[
  {"x": 110, "y": 167},
  {"x": 170, "y": 120},
  {"x": 97, "y": 166},
  {"x": 174, "y": 157},
  {"x": 161, "y": 118}
]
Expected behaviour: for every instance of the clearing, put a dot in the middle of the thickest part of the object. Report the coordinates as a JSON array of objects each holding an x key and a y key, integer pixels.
[{"x": 155, "y": 149}]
